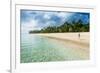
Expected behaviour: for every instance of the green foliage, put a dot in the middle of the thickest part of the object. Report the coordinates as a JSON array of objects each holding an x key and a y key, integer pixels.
[{"x": 66, "y": 27}]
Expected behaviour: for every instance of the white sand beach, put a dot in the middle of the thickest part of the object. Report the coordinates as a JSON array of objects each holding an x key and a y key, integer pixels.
[{"x": 72, "y": 39}]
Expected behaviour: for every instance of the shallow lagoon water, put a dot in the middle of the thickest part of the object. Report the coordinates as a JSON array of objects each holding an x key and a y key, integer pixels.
[{"x": 35, "y": 48}]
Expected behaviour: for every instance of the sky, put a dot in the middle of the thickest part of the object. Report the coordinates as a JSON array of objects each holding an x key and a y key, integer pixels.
[{"x": 36, "y": 20}]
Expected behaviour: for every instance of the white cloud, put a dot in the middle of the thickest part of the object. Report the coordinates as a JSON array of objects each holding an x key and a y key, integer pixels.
[
  {"x": 47, "y": 16},
  {"x": 61, "y": 14},
  {"x": 35, "y": 24},
  {"x": 31, "y": 25}
]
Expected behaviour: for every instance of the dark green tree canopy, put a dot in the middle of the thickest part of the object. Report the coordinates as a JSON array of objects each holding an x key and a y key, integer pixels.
[{"x": 78, "y": 26}]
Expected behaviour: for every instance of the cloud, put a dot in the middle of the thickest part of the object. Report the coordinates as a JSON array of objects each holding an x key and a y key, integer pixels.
[
  {"x": 30, "y": 25},
  {"x": 46, "y": 16},
  {"x": 36, "y": 20}
]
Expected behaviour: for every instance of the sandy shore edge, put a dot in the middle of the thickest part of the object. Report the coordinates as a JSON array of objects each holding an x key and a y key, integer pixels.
[{"x": 70, "y": 37}]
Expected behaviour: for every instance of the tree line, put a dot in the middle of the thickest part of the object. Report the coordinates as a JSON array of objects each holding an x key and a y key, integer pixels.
[{"x": 78, "y": 26}]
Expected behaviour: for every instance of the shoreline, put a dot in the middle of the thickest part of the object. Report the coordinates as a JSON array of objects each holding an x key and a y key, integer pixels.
[{"x": 71, "y": 38}]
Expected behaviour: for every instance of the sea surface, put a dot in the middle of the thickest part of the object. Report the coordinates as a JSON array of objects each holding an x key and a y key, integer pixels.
[{"x": 35, "y": 48}]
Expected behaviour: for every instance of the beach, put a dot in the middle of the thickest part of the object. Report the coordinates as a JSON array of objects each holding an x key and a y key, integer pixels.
[
  {"x": 75, "y": 39},
  {"x": 44, "y": 47},
  {"x": 50, "y": 36}
]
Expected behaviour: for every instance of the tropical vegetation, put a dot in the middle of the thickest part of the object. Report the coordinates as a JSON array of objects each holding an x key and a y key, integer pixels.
[{"x": 73, "y": 26}]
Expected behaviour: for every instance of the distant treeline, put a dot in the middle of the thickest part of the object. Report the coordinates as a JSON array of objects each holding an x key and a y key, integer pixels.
[{"x": 78, "y": 26}]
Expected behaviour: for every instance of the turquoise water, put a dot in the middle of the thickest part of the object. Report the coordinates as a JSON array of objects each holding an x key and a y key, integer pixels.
[{"x": 35, "y": 48}]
